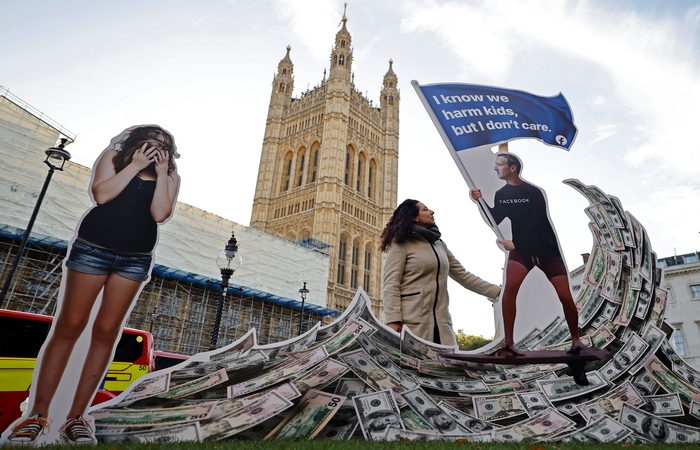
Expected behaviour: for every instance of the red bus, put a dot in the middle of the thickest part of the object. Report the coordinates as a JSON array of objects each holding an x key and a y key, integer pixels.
[{"x": 21, "y": 337}]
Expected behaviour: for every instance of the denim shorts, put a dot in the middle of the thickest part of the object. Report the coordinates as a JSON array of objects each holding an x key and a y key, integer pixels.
[{"x": 87, "y": 258}]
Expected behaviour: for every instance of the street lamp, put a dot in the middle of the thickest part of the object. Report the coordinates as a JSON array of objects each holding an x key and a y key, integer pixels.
[
  {"x": 56, "y": 158},
  {"x": 303, "y": 291},
  {"x": 228, "y": 261}
]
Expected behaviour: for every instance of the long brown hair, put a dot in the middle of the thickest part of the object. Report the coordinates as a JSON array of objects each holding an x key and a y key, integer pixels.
[
  {"x": 400, "y": 226},
  {"x": 136, "y": 138}
]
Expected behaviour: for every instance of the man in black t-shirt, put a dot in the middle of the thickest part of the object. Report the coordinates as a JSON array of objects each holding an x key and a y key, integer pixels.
[{"x": 534, "y": 244}]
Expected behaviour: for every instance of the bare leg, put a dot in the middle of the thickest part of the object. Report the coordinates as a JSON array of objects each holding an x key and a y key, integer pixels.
[
  {"x": 561, "y": 285},
  {"x": 80, "y": 293},
  {"x": 515, "y": 274},
  {"x": 117, "y": 298}
]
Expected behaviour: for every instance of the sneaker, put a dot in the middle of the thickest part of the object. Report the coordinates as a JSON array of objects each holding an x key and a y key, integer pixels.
[
  {"x": 77, "y": 431},
  {"x": 28, "y": 431}
]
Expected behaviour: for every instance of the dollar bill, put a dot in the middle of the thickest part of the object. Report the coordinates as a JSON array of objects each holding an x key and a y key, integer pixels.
[
  {"x": 320, "y": 375},
  {"x": 645, "y": 383},
  {"x": 469, "y": 423},
  {"x": 196, "y": 385},
  {"x": 514, "y": 385},
  {"x": 359, "y": 304},
  {"x": 546, "y": 423},
  {"x": 498, "y": 377},
  {"x": 152, "y": 417},
  {"x": 670, "y": 382},
  {"x": 178, "y": 433},
  {"x": 346, "y": 336},
  {"x": 459, "y": 386},
  {"x": 198, "y": 369},
  {"x": 309, "y": 416},
  {"x": 657, "y": 429},
  {"x": 376, "y": 412},
  {"x": 413, "y": 422},
  {"x": 497, "y": 407},
  {"x": 613, "y": 269},
  {"x": 384, "y": 361},
  {"x": 237, "y": 347},
  {"x": 279, "y": 373},
  {"x": 428, "y": 409},
  {"x": 628, "y": 307},
  {"x": 280, "y": 349},
  {"x": 602, "y": 337},
  {"x": 687, "y": 374},
  {"x": 610, "y": 403},
  {"x": 658, "y": 308},
  {"x": 534, "y": 402},
  {"x": 343, "y": 424},
  {"x": 654, "y": 337},
  {"x": 595, "y": 268},
  {"x": 565, "y": 388},
  {"x": 154, "y": 385},
  {"x": 422, "y": 349},
  {"x": 590, "y": 308},
  {"x": 262, "y": 409},
  {"x": 372, "y": 373},
  {"x": 601, "y": 430},
  {"x": 398, "y": 434},
  {"x": 664, "y": 405},
  {"x": 623, "y": 359},
  {"x": 694, "y": 409},
  {"x": 350, "y": 387}
]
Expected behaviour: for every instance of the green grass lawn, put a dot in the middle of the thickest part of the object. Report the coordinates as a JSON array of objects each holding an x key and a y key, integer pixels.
[{"x": 364, "y": 445}]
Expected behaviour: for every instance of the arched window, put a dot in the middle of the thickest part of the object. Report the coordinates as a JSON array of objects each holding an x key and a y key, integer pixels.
[
  {"x": 314, "y": 162},
  {"x": 355, "y": 261},
  {"x": 372, "y": 175},
  {"x": 349, "y": 163},
  {"x": 341, "y": 60},
  {"x": 286, "y": 172},
  {"x": 361, "y": 160},
  {"x": 368, "y": 268},
  {"x": 301, "y": 163},
  {"x": 342, "y": 254}
]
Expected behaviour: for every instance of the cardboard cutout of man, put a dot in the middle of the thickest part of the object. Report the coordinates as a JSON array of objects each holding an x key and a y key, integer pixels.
[
  {"x": 134, "y": 188},
  {"x": 534, "y": 244}
]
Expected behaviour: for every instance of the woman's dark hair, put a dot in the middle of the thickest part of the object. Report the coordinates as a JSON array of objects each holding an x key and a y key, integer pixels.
[
  {"x": 400, "y": 226},
  {"x": 133, "y": 141}
]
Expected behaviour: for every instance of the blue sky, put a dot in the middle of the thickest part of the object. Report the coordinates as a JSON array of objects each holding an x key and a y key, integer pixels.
[{"x": 203, "y": 70}]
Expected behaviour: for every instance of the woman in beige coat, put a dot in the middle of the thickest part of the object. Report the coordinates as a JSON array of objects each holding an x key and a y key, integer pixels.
[{"x": 415, "y": 275}]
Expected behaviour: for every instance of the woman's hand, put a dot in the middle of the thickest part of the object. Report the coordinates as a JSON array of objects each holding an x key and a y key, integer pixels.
[
  {"x": 144, "y": 156},
  {"x": 396, "y": 326},
  {"x": 161, "y": 159},
  {"x": 475, "y": 194},
  {"x": 506, "y": 244}
]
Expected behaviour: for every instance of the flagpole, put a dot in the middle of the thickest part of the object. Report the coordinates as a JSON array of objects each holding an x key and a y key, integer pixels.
[{"x": 462, "y": 168}]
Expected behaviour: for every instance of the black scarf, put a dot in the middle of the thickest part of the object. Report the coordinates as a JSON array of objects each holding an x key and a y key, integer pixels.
[{"x": 430, "y": 234}]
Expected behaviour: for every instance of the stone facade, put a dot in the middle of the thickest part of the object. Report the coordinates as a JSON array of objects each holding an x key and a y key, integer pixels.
[{"x": 329, "y": 169}]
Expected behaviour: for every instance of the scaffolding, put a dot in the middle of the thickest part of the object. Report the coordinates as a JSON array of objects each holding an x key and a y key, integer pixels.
[{"x": 178, "y": 309}]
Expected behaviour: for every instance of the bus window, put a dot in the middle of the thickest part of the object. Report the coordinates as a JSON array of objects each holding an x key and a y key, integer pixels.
[{"x": 164, "y": 360}]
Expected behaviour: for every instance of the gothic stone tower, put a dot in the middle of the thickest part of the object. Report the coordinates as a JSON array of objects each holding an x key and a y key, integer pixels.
[{"x": 328, "y": 171}]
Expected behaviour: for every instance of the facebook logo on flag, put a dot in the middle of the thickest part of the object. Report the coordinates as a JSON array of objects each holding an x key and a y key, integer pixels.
[{"x": 470, "y": 115}]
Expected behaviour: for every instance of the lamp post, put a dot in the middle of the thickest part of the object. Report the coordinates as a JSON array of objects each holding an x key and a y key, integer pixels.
[
  {"x": 58, "y": 155},
  {"x": 228, "y": 261},
  {"x": 303, "y": 291}
]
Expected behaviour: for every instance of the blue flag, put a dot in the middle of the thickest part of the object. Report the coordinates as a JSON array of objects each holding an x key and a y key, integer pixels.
[{"x": 470, "y": 115}]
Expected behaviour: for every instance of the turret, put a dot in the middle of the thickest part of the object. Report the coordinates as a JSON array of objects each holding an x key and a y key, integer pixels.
[
  {"x": 341, "y": 56},
  {"x": 283, "y": 83}
]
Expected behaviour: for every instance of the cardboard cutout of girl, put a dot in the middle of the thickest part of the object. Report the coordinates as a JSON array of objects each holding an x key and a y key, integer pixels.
[
  {"x": 533, "y": 244},
  {"x": 134, "y": 187}
]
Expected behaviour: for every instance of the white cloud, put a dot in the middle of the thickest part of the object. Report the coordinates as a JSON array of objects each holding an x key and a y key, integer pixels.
[{"x": 312, "y": 21}]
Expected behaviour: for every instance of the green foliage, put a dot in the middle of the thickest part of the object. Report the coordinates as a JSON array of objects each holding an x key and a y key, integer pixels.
[{"x": 469, "y": 342}]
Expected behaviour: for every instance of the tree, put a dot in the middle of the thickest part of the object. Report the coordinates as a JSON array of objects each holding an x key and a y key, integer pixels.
[{"x": 469, "y": 342}]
